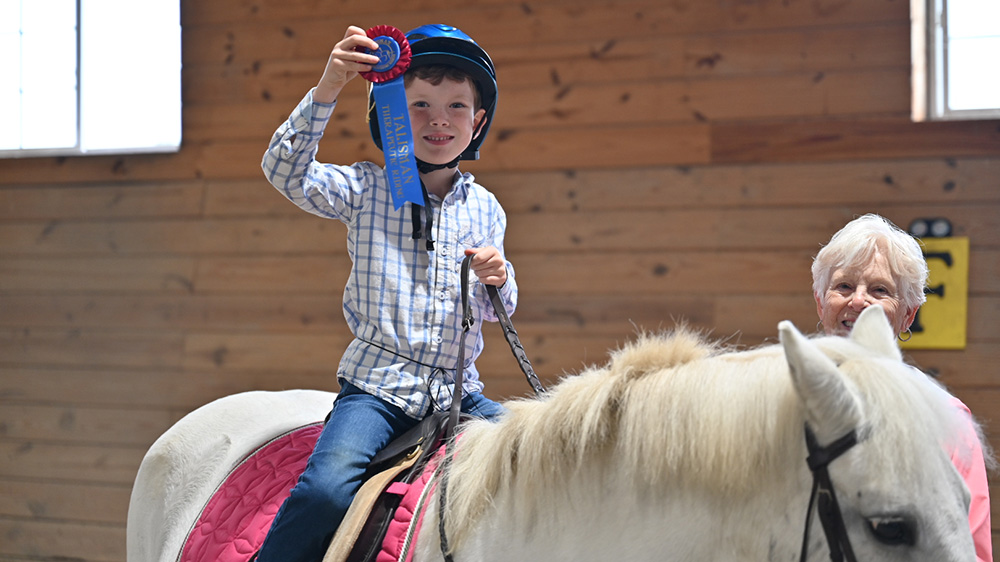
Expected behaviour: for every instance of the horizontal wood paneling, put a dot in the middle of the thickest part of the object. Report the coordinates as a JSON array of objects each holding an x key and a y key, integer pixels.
[
  {"x": 877, "y": 182},
  {"x": 659, "y": 162},
  {"x": 42, "y": 346},
  {"x": 230, "y": 313},
  {"x": 580, "y": 60},
  {"x": 299, "y": 234},
  {"x": 553, "y": 346},
  {"x": 650, "y": 272},
  {"x": 627, "y": 145},
  {"x": 60, "y": 501},
  {"x": 712, "y": 229},
  {"x": 171, "y": 275},
  {"x": 152, "y": 388},
  {"x": 54, "y": 460},
  {"x": 551, "y": 231},
  {"x": 83, "y": 424},
  {"x": 802, "y": 94},
  {"x": 839, "y": 140},
  {"x": 44, "y": 540},
  {"x": 865, "y": 184},
  {"x": 87, "y": 201},
  {"x": 560, "y": 20}
]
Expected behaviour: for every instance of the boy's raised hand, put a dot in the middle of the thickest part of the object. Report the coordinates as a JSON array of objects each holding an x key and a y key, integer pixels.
[
  {"x": 344, "y": 64},
  {"x": 488, "y": 265}
]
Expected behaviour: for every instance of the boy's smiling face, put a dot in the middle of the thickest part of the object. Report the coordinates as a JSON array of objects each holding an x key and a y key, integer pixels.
[{"x": 443, "y": 117}]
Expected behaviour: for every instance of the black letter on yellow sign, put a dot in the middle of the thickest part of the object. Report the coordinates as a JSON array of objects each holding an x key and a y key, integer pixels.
[{"x": 917, "y": 327}]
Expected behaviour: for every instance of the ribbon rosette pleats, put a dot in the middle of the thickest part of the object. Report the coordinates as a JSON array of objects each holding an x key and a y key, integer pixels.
[{"x": 392, "y": 113}]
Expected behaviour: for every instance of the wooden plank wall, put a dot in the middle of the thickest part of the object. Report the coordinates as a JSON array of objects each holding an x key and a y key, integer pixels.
[{"x": 659, "y": 161}]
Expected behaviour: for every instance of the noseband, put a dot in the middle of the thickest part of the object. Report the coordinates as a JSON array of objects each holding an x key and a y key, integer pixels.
[{"x": 822, "y": 489}]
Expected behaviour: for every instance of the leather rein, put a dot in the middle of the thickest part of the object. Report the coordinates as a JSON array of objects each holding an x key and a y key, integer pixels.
[
  {"x": 456, "y": 401},
  {"x": 509, "y": 333}
]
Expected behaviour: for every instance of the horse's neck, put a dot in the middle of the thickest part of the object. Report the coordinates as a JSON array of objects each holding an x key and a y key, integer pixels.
[{"x": 607, "y": 524}]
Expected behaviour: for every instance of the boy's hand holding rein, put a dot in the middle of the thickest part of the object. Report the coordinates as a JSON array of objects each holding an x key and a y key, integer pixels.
[{"x": 488, "y": 265}]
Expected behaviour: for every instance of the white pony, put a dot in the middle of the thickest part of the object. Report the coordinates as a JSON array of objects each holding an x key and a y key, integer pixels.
[{"x": 677, "y": 450}]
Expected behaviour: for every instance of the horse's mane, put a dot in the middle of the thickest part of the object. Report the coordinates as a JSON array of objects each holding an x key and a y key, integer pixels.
[{"x": 673, "y": 410}]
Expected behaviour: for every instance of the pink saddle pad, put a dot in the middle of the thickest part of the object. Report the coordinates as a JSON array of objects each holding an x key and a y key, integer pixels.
[{"x": 237, "y": 517}]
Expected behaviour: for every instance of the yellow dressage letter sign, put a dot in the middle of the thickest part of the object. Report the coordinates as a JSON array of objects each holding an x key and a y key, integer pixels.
[{"x": 940, "y": 323}]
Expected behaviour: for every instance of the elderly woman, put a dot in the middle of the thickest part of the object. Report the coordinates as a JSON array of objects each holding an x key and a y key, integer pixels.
[{"x": 871, "y": 261}]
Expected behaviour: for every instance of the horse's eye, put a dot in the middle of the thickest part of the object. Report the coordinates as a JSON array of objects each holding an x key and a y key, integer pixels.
[{"x": 893, "y": 530}]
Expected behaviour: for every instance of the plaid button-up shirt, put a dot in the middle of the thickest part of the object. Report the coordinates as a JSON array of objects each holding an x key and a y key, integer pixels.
[{"x": 401, "y": 301}]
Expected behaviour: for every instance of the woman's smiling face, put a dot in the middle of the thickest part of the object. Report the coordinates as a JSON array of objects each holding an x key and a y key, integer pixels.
[{"x": 852, "y": 290}]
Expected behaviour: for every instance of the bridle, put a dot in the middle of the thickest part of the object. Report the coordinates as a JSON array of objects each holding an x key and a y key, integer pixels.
[{"x": 824, "y": 497}]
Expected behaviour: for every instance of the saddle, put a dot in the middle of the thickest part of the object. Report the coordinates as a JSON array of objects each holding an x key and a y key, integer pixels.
[
  {"x": 235, "y": 520},
  {"x": 360, "y": 536}
]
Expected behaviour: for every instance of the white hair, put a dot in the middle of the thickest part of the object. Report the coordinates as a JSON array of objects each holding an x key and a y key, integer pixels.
[{"x": 855, "y": 245}]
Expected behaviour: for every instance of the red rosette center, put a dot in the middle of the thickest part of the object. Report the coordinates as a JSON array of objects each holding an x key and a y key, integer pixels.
[{"x": 382, "y": 33}]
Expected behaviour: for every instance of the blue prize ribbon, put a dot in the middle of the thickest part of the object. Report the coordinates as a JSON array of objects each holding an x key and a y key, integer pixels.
[{"x": 394, "y": 128}]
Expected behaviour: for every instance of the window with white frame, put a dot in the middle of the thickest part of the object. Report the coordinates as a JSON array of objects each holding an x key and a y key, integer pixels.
[
  {"x": 956, "y": 46},
  {"x": 89, "y": 77}
]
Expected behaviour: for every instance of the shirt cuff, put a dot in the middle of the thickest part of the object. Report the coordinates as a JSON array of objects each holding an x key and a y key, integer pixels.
[
  {"x": 308, "y": 121},
  {"x": 320, "y": 112}
]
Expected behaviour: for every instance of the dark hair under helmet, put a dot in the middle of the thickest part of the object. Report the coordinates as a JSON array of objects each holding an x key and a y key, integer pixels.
[{"x": 439, "y": 44}]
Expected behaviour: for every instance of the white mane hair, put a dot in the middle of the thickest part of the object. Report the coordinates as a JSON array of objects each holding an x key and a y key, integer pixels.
[{"x": 673, "y": 411}]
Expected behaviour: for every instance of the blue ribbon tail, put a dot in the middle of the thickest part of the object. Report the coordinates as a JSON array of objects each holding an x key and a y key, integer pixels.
[{"x": 397, "y": 142}]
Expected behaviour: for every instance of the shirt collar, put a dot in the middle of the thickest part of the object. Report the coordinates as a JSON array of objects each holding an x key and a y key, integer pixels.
[{"x": 460, "y": 187}]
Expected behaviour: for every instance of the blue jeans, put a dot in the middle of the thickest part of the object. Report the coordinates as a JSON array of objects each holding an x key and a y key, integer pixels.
[{"x": 359, "y": 426}]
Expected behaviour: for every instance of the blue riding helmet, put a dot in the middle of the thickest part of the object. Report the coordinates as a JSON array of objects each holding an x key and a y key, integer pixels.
[{"x": 446, "y": 45}]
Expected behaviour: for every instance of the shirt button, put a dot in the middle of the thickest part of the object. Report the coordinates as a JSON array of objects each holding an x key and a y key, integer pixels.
[{"x": 438, "y": 339}]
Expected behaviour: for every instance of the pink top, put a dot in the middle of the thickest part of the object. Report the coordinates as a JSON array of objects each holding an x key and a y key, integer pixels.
[{"x": 973, "y": 471}]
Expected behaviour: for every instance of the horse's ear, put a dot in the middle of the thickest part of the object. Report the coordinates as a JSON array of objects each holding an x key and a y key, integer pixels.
[
  {"x": 873, "y": 332},
  {"x": 831, "y": 406}
]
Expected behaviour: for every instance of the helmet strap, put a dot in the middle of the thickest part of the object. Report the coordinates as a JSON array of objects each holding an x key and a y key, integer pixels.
[{"x": 426, "y": 168}]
